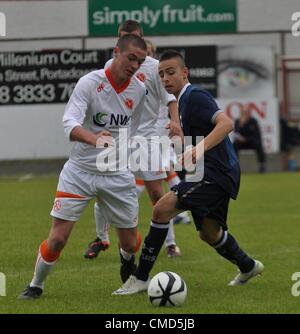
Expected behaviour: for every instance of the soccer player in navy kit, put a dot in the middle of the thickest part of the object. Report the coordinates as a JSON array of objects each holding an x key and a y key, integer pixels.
[{"x": 207, "y": 199}]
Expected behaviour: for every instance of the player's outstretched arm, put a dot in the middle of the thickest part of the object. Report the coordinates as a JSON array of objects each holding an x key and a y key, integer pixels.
[
  {"x": 95, "y": 139},
  {"x": 224, "y": 126}
]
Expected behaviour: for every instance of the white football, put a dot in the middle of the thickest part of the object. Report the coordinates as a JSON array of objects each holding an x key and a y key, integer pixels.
[{"x": 167, "y": 289}]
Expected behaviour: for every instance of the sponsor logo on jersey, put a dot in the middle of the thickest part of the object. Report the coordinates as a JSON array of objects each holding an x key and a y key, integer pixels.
[
  {"x": 129, "y": 103},
  {"x": 114, "y": 120},
  {"x": 119, "y": 120},
  {"x": 141, "y": 76},
  {"x": 100, "y": 119}
]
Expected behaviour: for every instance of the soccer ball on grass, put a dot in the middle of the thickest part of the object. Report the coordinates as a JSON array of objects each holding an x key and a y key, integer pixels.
[{"x": 167, "y": 289}]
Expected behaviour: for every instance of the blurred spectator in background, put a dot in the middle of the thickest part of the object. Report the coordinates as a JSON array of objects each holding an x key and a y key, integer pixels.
[
  {"x": 248, "y": 136},
  {"x": 151, "y": 48},
  {"x": 290, "y": 137}
]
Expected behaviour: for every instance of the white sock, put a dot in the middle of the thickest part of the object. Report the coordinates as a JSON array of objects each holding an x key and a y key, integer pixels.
[
  {"x": 173, "y": 181},
  {"x": 170, "y": 239},
  {"x": 139, "y": 186},
  {"x": 126, "y": 256},
  {"x": 185, "y": 217},
  {"x": 183, "y": 214},
  {"x": 102, "y": 227},
  {"x": 41, "y": 271}
]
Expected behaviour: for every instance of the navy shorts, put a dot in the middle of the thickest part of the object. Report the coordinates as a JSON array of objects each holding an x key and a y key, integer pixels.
[{"x": 203, "y": 199}]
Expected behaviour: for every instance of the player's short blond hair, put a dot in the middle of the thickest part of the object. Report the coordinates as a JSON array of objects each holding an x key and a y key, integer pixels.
[{"x": 151, "y": 45}]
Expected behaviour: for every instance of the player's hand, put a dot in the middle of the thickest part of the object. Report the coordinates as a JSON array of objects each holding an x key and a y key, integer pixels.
[
  {"x": 175, "y": 130},
  {"x": 104, "y": 139},
  {"x": 191, "y": 156},
  {"x": 188, "y": 158}
]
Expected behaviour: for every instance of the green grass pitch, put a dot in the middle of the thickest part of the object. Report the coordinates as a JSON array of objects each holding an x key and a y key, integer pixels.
[{"x": 265, "y": 220}]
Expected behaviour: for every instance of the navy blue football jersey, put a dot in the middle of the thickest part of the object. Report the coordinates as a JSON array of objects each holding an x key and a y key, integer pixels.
[{"x": 198, "y": 110}]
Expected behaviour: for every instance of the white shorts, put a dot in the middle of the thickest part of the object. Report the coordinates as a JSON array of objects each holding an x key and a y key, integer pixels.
[
  {"x": 168, "y": 154},
  {"x": 116, "y": 196},
  {"x": 149, "y": 175},
  {"x": 152, "y": 167}
]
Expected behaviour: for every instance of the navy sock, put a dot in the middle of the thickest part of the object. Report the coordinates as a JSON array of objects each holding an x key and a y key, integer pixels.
[
  {"x": 152, "y": 245},
  {"x": 230, "y": 250}
]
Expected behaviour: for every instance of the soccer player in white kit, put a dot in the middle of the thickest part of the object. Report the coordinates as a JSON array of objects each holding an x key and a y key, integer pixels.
[
  {"x": 169, "y": 159},
  {"x": 102, "y": 104},
  {"x": 147, "y": 73}
]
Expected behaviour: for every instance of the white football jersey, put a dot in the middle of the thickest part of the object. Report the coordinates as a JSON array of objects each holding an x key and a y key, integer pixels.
[
  {"x": 162, "y": 121},
  {"x": 156, "y": 95},
  {"x": 97, "y": 104}
]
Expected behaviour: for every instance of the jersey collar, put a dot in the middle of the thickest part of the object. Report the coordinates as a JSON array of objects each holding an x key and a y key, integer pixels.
[
  {"x": 117, "y": 88},
  {"x": 183, "y": 90}
]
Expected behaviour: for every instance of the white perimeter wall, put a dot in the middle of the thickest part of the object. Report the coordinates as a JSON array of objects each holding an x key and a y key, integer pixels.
[
  {"x": 35, "y": 131},
  {"x": 32, "y": 131}
]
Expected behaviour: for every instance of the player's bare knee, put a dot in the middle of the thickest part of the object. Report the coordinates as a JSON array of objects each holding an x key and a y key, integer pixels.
[
  {"x": 159, "y": 213},
  {"x": 203, "y": 236},
  {"x": 129, "y": 247},
  {"x": 209, "y": 237},
  {"x": 155, "y": 196},
  {"x": 57, "y": 243}
]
